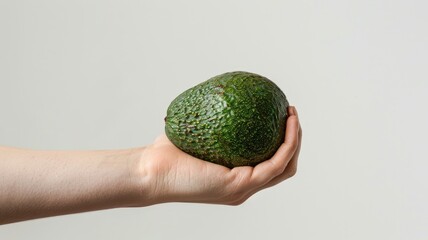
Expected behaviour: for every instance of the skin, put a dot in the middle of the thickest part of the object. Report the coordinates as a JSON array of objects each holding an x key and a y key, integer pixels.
[{"x": 36, "y": 184}]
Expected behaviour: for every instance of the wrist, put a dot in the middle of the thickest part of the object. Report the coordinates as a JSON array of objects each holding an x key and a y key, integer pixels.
[
  {"x": 142, "y": 178},
  {"x": 135, "y": 179}
]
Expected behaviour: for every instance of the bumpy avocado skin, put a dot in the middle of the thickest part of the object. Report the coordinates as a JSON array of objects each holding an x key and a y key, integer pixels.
[{"x": 233, "y": 119}]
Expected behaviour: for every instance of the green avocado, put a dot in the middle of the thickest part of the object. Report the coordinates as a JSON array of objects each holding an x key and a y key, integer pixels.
[{"x": 233, "y": 119}]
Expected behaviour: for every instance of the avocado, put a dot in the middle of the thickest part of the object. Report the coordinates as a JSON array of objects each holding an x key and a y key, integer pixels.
[{"x": 233, "y": 119}]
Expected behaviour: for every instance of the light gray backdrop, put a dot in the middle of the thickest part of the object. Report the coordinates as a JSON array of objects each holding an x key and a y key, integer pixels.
[{"x": 100, "y": 75}]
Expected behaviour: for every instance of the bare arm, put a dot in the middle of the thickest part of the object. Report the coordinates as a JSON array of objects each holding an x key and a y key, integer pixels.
[{"x": 36, "y": 184}]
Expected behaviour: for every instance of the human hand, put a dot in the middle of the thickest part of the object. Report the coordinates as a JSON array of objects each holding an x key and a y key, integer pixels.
[
  {"x": 171, "y": 175},
  {"x": 40, "y": 183}
]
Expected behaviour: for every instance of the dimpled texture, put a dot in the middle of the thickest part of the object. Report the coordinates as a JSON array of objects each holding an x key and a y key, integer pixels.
[{"x": 233, "y": 119}]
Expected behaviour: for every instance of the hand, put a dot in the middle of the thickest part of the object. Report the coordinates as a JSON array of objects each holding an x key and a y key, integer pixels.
[
  {"x": 38, "y": 183},
  {"x": 175, "y": 176}
]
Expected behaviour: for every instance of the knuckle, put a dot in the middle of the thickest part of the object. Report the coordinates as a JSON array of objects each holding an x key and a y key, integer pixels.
[
  {"x": 234, "y": 197},
  {"x": 277, "y": 168},
  {"x": 293, "y": 171},
  {"x": 237, "y": 202},
  {"x": 294, "y": 144}
]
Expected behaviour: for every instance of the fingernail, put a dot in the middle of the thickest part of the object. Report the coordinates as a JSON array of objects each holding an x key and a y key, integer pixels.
[
  {"x": 295, "y": 111},
  {"x": 292, "y": 110}
]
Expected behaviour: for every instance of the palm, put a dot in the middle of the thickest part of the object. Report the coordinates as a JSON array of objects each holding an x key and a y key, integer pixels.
[{"x": 184, "y": 174}]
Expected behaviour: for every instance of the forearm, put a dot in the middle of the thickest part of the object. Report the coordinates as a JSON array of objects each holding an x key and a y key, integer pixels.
[{"x": 36, "y": 184}]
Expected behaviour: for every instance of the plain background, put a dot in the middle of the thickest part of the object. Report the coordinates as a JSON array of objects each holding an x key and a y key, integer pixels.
[{"x": 100, "y": 75}]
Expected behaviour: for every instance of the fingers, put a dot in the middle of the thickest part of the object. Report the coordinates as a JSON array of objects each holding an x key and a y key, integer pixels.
[
  {"x": 291, "y": 168},
  {"x": 289, "y": 171},
  {"x": 267, "y": 170}
]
